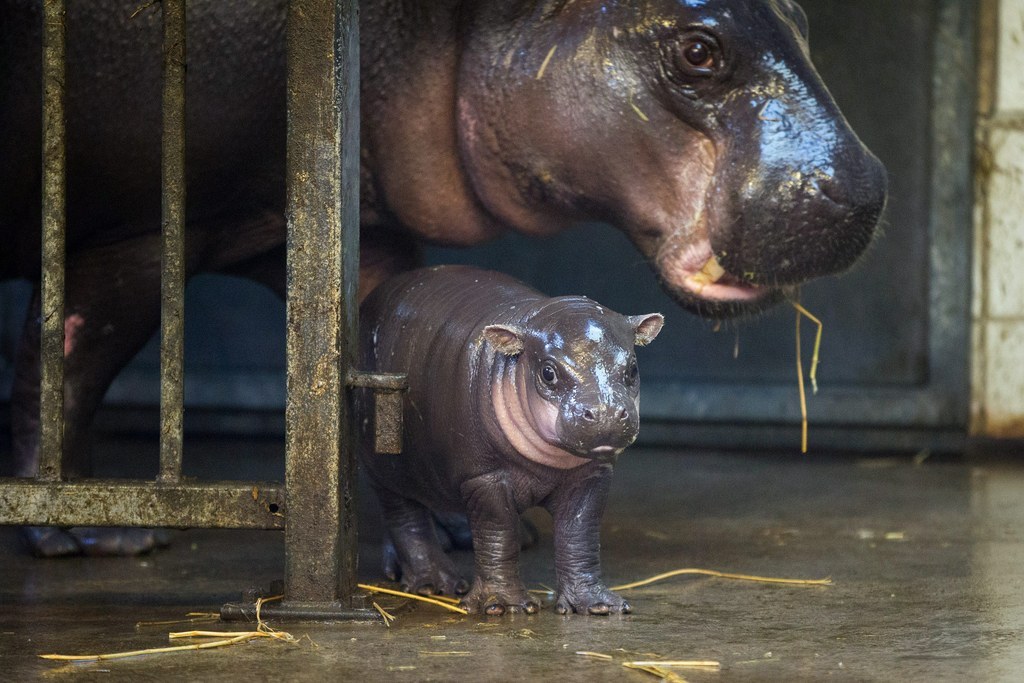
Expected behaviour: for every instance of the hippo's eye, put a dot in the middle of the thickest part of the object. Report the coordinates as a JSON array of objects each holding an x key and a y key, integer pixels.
[
  {"x": 549, "y": 374},
  {"x": 632, "y": 372},
  {"x": 697, "y": 54}
]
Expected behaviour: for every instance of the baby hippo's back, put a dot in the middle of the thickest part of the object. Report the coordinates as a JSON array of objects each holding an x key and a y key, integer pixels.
[{"x": 427, "y": 324}]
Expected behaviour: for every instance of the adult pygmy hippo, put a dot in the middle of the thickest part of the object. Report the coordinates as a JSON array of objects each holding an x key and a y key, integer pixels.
[
  {"x": 698, "y": 127},
  {"x": 515, "y": 400}
]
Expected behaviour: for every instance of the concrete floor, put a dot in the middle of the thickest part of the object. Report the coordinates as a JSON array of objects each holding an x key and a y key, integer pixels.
[{"x": 927, "y": 560}]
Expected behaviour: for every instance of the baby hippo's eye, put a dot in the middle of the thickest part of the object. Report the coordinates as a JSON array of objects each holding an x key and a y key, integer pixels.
[{"x": 549, "y": 374}]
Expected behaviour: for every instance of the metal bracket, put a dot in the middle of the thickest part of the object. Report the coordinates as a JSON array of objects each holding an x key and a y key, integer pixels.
[{"x": 387, "y": 414}]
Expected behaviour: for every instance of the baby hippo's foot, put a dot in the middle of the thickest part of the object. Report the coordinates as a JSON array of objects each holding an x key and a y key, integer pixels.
[
  {"x": 434, "y": 575},
  {"x": 495, "y": 599},
  {"x": 589, "y": 599},
  {"x": 96, "y": 541}
]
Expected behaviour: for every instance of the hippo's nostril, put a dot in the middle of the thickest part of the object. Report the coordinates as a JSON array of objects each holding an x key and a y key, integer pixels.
[
  {"x": 589, "y": 415},
  {"x": 621, "y": 414}
]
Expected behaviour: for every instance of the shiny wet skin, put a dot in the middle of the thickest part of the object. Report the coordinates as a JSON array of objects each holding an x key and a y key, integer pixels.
[{"x": 927, "y": 560}]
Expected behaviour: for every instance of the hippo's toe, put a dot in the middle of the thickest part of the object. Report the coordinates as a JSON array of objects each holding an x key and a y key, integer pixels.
[
  {"x": 50, "y": 541},
  {"x": 496, "y": 600},
  {"x": 595, "y": 600},
  {"x": 125, "y": 542},
  {"x": 434, "y": 583}
]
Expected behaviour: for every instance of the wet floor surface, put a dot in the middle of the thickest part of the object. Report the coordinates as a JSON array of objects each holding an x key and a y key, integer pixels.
[{"x": 927, "y": 561}]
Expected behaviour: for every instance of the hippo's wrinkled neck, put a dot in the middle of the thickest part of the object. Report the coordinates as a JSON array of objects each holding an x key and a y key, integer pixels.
[
  {"x": 528, "y": 425},
  {"x": 411, "y": 159}
]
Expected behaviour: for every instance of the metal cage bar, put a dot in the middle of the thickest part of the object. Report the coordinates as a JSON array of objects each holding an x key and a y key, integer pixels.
[
  {"x": 222, "y": 505},
  {"x": 172, "y": 304},
  {"x": 51, "y": 384},
  {"x": 323, "y": 244},
  {"x": 316, "y": 506}
]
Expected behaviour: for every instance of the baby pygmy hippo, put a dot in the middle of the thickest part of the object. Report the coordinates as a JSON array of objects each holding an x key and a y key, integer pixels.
[{"x": 515, "y": 400}]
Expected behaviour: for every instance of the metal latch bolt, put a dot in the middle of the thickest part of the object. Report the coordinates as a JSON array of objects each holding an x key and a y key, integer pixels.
[{"x": 387, "y": 414}]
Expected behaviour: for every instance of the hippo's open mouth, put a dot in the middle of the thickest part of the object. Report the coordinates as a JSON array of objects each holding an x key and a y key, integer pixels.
[{"x": 699, "y": 275}]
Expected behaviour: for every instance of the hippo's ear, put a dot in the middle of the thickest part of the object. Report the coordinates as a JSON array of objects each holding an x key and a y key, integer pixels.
[
  {"x": 646, "y": 327},
  {"x": 507, "y": 340}
]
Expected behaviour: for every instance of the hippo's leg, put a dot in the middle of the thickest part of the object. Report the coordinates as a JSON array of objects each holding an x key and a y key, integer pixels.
[
  {"x": 453, "y": 533},
  {"x": 384, "y": 252},
  {"x": 494, "y": 520},
  {"x": 412, "y": 554},
  {"x": 576, "y": 510},
  {"x": 448, "y": 538},
  {"x": 111, "y": 309}
]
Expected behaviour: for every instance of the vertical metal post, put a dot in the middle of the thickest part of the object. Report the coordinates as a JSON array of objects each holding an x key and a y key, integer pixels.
[
  {"x": 323, "y": 205},
  {"x": 172, "y": 305},
  {"x": 51, "y": 389}
]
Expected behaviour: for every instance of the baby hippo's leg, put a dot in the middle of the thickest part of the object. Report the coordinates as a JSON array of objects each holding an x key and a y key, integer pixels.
[
  {"x": 494, "y": 521},
  {"x": 453, "y": 530},
  {"x": 422, "y": 566},
  {"x": 577, "y": 509}
]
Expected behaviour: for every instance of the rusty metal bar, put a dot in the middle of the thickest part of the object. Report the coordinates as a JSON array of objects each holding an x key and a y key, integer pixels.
[
  {"x": 172, "y": 305},
  {"x": 51, "y": 385},
  {"x": 228, "y": 505},
  {"x": 323, "y": 239},
  {"x": 378, "y": 381}
]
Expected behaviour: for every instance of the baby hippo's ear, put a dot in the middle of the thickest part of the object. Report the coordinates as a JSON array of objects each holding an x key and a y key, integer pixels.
[
  {"x": 646, "y": 327},
  {"x": 507, "y": 340}
]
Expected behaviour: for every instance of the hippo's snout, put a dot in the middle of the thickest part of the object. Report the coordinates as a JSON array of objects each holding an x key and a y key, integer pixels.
[
  {"x": 801, "y": 195},
  {"x": 796, "y": 224},
  {"x": 600, "y": 413},
  {"x": 597, "y": 429}
]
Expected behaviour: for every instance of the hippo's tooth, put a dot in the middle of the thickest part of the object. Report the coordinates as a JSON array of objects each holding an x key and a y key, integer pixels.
[{"x": 710, "y": 273}]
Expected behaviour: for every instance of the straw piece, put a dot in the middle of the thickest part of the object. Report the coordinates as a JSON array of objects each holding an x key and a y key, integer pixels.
[
  {"x": 681, "y": 663},
  {"x": 800, "y": 386},
  {"x": 387, "y": 616},
  {"x": 218, "y": 634},
  {"x": 544, "y": 64},
  {"x": 191, "y": 618},
  {"x": 639, "y": 112},
  {"x": 802, "y": 312},
  {"x": 595, "y": 655},
  {"x": 813, "y": 374},
  {"x": 156, "y": 650},
  {"x": 225, "y": 638},
  {"x": 412, "y": 596},
  {"x": 723, "y": 575},
  {"x": 663, "y": 674}
]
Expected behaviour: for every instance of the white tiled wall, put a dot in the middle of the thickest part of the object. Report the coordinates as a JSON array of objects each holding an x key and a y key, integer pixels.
[
  {"x": 998, "y": 354},
  {"x": 1004, "y": 272},
  {"x": 1010, "y": 72}
]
